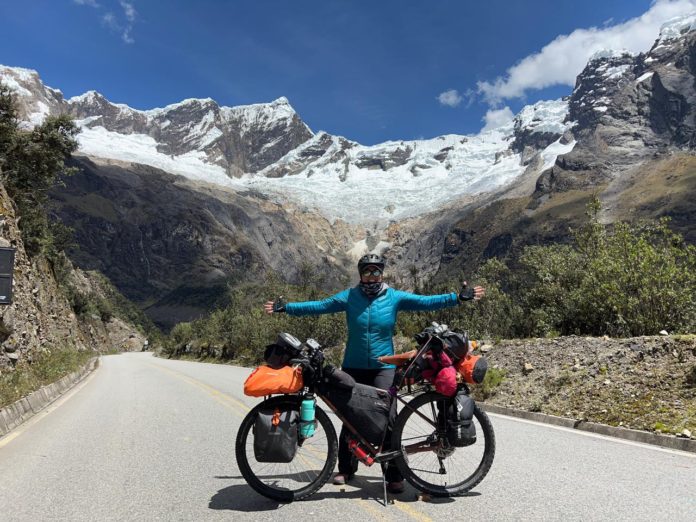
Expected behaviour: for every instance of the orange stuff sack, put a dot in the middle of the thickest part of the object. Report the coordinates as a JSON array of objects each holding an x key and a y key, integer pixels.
[
  {"x": 264, "y": 380},
  {"x": 473, "y": 368}
]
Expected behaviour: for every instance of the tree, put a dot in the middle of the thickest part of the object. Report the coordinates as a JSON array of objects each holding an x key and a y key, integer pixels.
[{"x": 32, "y": 163}]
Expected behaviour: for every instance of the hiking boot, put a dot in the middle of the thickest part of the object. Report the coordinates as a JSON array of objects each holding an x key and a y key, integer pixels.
[
  {"x": 340, "y": 479},
  {"x": 396, "y": 487}
]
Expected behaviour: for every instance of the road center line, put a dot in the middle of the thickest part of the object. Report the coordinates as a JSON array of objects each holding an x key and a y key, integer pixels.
[
  {"x": 413, "y": 513},
  {"x": 226, "y": 400}
]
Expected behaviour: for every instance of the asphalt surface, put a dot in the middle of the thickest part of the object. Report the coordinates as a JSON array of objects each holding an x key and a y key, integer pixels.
[{"x": 144, "y": 438}]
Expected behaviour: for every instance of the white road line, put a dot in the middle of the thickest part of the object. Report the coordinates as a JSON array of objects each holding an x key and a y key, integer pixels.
[
  {"x": 47, "y": 410},
  {"x": 597, "y": 436}
]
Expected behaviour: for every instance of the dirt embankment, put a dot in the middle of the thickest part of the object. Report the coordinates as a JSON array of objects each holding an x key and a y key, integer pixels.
[{"x": 646, "y": 383}]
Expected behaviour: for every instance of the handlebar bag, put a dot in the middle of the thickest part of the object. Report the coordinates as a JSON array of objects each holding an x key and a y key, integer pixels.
[
  {"x": 366, "y": 408},
  {"x": 456, "y": 344},
  {"x": 285, "y": 348},
  {"x": 275, "y": 435},
  {"x": 265, "y": 380}
]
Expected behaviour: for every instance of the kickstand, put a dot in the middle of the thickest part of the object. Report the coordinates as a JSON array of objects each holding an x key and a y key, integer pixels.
[{"x": 384, "y": 483}]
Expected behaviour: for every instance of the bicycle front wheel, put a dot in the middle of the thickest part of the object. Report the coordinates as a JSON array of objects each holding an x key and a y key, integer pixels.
[
  {"x": 308, "y": 471},
  {"x": 428, "y": 461}
]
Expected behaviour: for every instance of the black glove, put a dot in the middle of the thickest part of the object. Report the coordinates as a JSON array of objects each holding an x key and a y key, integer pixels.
[
  {"x": 466, "y": 294},
  {"x": 279, "y": 305}
]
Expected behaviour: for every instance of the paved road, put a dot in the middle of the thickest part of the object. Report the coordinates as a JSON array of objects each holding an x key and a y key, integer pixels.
[{"x": 150, "y": 439}]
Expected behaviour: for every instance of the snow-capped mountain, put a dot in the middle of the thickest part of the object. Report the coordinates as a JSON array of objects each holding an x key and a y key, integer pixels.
[
  {"x": 630, "y": 109},
  {"x": 268, "y": 148},
  {"x": 276, "y": 195},
  {"x": 196, "y": 137}
]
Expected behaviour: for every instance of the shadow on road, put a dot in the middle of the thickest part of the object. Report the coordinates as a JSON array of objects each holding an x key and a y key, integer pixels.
[{"x": 240, "y": 497}]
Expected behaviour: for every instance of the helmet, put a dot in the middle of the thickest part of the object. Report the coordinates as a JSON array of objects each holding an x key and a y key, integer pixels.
[{"x": 371, "y": 259}]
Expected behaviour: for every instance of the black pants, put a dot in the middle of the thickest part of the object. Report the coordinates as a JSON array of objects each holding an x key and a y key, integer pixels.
[{"x": 347, "y": 463}]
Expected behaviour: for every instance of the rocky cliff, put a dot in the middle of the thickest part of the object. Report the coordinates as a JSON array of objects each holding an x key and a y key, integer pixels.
[
  {"x": 175, "y": 246},
  {"x": 40, "y": 317}
]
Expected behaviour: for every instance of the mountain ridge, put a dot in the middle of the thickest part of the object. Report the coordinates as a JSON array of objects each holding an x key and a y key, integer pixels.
[{"x": 627, "y": 117}]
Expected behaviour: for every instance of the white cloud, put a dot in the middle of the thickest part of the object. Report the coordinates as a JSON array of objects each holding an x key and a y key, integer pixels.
[
  {"x": 495, "y": 118},
  {"x": 91, "y": 3},
  {"x": 124, "y": 29},
  {"x": 129, "y": 11},
  {"x": 451, "y": 98},
  {"x": 560, "y": 61},
  {"x": 109, "y": 20}
]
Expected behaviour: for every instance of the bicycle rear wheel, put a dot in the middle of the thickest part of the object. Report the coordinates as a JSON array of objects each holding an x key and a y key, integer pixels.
[
  {"x": 308, "y": 471},
  {"x": 429, "y": 462}
]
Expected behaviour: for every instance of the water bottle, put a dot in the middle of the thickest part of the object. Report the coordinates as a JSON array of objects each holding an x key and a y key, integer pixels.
[{"x": 307, "y": 417}]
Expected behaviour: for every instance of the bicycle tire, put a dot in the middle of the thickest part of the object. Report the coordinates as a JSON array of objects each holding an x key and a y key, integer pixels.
[
  {"x": 268, "y": 484},
  {"x": 407, "y": 462}
]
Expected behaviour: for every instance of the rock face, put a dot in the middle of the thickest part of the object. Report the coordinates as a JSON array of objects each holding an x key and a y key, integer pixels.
[
  {"x": 40, "y": 317},
  {"x": 628, "y": 109},
  {"x": 633, "y": 121},
  {"x": 166, "y": 240}
]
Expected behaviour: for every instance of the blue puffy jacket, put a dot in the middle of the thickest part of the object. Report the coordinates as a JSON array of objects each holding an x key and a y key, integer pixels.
[{"x": 371, "y": 320}]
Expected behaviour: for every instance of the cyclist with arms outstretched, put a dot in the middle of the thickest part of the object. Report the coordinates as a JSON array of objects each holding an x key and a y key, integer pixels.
[{"x": 371, "y": 308}]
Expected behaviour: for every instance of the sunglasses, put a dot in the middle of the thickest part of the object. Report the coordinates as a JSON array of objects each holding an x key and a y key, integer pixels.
[{"x": 375, "y": 272}]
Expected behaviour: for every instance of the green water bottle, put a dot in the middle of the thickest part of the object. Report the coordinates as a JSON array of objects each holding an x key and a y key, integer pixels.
[{"x": 307, "y": 417}]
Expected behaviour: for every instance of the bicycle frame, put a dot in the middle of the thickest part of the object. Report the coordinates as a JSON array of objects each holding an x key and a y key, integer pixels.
[{"x": 377, "y": 451}]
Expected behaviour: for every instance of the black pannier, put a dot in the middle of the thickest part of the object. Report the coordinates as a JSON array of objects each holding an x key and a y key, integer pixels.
[
  {"x": 366, "y": 408},
  {"x": 461, "y": 430},
  {"x": 275, "y": 435}
]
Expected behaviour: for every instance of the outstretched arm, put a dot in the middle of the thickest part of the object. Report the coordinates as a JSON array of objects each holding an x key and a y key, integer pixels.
[
  {"x": 330, "y": 305},
  {"x": 419, "y": 303}
]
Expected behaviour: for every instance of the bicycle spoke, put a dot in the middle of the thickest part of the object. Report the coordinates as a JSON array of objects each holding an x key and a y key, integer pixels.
[{"x": 431, "y": 463}]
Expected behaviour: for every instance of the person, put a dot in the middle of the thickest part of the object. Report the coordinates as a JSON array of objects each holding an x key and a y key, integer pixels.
[{"x": 371, "y": 309}]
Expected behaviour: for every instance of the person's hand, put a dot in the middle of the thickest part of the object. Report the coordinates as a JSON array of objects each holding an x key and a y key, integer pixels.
[
  {"x": 277, "y": 306},
  {"x": 475, "y": 293}
]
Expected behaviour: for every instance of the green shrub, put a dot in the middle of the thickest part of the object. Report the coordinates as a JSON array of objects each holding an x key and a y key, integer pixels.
[
  {"x": 491, "y": 382},
  {"x": 627, "y": 280}
]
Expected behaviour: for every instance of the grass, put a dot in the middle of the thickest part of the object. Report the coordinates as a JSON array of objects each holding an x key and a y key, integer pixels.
[
  {"x": 494, "y": 378},
  {"x": 47, "y": 368}
]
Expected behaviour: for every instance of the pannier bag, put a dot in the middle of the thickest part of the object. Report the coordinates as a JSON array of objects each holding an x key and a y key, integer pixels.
[
  {"x": 366, "y": 408},
  {"x": 265, "y": 380},
  {"x": 461, "y": 430},
  {"x": 275, "y": 435},
  {"x": 473, "y": 368}
]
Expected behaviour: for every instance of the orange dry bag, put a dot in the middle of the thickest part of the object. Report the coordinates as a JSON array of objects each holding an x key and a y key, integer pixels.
[
  {"x": 473, "y": 368},
  {"x": 264, "y": 380}
]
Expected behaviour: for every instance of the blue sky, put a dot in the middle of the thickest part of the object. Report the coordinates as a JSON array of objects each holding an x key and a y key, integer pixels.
[{"x": 367, "y": 70}]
